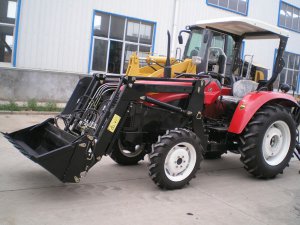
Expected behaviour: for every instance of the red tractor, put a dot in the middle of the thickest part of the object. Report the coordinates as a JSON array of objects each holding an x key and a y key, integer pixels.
[{"x": 176, "y": 121}]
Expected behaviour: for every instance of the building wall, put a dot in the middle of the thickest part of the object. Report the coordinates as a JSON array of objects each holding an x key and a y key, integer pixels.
[
  {"x": 55, "y": 34},
  {"x": 23, "y": 85}
]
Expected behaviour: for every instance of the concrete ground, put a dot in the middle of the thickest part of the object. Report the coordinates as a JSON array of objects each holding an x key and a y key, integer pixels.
[{"x": 222, "y": 193}]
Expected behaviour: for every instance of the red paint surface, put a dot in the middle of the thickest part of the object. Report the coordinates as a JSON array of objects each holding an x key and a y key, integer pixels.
[
  {"x": 166, "y": 97},
  {"x": 226, "y": 91},
  {"x": 168, "y": 83},
  {"x": 253, "y": 102},
  {"x": 211, "y": 92}
]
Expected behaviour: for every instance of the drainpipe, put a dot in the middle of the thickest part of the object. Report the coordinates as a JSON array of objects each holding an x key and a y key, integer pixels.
[{"x": 174, "y": 27}]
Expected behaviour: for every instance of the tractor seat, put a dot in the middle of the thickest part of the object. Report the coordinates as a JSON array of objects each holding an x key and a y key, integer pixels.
[
  {"x": 239, "y": 90},
  {"x": 243, "y": 87}
]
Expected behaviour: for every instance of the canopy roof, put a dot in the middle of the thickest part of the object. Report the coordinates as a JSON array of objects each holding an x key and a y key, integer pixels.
[{"x": 250, "y": 28}]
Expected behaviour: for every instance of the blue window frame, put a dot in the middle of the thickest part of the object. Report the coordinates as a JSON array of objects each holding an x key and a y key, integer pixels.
[
  {"x": 291, "y": 71},
  {"x": 115, "y": 37},
  {"x": 289, "y": 16},
  {"x": 9, "y": 29},
  {"x": 243, "y": 50},
  {"x": 237, "y": 6}
]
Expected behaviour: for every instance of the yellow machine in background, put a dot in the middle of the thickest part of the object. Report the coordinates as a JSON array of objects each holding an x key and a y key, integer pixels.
[{"x": 155, "y": 66}]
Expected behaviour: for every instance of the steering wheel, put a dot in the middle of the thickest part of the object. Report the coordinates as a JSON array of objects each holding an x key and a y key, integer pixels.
[
  {"x": 195, "y": 52},
  {"x": 215, "y": 75}
]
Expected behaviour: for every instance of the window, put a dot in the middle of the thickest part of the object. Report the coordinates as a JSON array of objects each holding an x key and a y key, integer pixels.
[
  {"x": 115, "y": 38},
  {"x": 290, "y": 73},
  {"x": 218, "y": 40},
  {"x": 229, "y": 50},
  {"x": 195, "y": 44},
  {"x": 289, "y": 17},
  {"x": 237, "y": 6},
  {"x": 8, "y": 9}
]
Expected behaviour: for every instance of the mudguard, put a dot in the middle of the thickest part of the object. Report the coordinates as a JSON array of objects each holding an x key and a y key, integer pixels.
[{"x": 252, "y": 102}]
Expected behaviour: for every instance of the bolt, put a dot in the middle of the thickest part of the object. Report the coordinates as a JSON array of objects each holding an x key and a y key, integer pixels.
[
  {"x": 76, "y": 179},
  {"x": 90, "y": 137},
  {"x": 83, "y": 145}
]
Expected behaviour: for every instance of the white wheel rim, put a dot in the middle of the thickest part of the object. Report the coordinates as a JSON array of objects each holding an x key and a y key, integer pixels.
[
  {"x": 128, "y": 153},
  {"x": 276, "y": 143},
  {"x": 180, "y": 161}
]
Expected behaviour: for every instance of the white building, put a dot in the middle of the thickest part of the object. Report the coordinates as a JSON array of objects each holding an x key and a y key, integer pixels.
[{"x": 82, "y": 36}]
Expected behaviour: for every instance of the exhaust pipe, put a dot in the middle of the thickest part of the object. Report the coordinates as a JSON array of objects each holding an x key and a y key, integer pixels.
[{"x": 168, "y": 68}]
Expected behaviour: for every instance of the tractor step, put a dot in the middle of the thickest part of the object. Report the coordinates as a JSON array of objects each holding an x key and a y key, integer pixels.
[
  {"x": 216, "y": 147},
  {"x": 219, "y": 129}
]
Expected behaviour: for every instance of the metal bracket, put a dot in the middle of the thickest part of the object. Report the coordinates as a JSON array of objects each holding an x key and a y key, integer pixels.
[
  {"x": 129, "y": 80},
  {"x": 100, "y": 77}
]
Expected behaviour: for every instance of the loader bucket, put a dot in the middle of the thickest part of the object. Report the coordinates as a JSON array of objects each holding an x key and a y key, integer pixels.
[{"x": 54, "y": 149}]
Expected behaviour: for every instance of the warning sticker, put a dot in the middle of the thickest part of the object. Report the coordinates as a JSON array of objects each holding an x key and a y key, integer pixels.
[{"x": 114, "y": 123}]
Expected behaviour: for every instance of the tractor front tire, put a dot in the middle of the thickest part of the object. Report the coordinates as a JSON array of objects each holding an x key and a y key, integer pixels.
[
  {"x": 175, "y": 159},
  {"x": 126, "y": 155},
  {"x": 268, "y": 141}
]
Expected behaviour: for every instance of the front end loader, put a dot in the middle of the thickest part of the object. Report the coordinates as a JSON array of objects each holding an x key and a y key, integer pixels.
[{"x": 105, "y": 111}]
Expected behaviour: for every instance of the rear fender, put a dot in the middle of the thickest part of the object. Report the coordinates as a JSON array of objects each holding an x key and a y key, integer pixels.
[{"x": 251, "y": 103}]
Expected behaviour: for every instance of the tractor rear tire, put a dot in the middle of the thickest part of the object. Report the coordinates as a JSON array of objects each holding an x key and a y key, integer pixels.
[
  {"x": 123, "y": 156},
  {"x": 175, "y": 159},
  {"x": 268, "y": 141}
]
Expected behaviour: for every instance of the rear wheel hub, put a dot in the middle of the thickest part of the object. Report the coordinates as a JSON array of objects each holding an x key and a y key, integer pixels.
[{"x": 276, "y": 143}]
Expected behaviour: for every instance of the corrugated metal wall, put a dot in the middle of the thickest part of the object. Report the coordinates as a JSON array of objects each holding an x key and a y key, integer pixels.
[{"x": 55, "y": 34}]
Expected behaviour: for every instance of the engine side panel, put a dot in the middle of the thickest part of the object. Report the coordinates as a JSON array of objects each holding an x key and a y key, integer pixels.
[{"x": 211, "y": 92}]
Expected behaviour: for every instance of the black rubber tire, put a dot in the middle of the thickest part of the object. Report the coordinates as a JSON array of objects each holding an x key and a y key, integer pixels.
[
  {"x": 251, "y": 141},
  {"x": 125, "y": 160},
  {"x": 160, "y": 151},
  {"x": 213, "y": 155}
]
